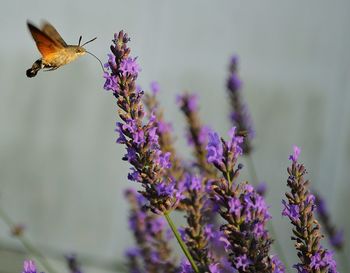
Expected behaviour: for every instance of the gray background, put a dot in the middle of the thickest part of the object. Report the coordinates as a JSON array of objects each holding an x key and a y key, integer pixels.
[{"x": 61, "y": 172}]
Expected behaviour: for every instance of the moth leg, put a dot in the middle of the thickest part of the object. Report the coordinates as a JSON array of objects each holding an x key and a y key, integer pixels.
[{"x": 50, "y": 68}]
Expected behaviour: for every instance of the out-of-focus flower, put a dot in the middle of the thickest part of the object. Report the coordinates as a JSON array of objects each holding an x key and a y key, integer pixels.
[
  {"x": 153, "y": 253},
  {"x": 196, "y": 234},
  {"x": 155, "y": 87},
  {"x": 261, "y": 188},
  {"x": 72, "y": 263},
  {"x": 335, "y": 235},
  {"x": 29, "y": 267},
  {"x": 240, "y": 115},
  {"x": 164, "y": 131},
  {"x": 197, "y": 133},
  {"x": 223, "y": 154}
]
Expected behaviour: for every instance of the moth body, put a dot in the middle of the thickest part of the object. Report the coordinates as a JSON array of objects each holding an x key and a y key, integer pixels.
[{"x": 54, "y": 50}]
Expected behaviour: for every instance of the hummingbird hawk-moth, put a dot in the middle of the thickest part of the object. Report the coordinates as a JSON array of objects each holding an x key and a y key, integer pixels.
[{"x": 54, "y": 50}]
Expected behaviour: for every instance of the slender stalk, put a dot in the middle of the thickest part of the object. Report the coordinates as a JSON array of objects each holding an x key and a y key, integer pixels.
[
  {"x": 27, "y": 245},
  {"x": 181, "y": 242},
  {"x": 276, "y": 244}
]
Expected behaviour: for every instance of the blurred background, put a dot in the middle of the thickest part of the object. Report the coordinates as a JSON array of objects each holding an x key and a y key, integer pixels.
[{"x": 61, "y": 173}]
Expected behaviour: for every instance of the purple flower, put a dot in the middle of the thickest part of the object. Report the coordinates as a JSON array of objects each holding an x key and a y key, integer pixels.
[
  {"x": 132, "y": 252},
  {"x": 163, "y": 159},
  {"x": 245, "y": 236},
  {"x": 196, "y": 133},
  {"x": 323, "y": 259},
  {"x": 110, "y": 62},
  {"x": 110, "y": 83},
  {"x": 300, "y": 268},
  {"x": 186, "y": 267},
  {"x": 329, "y": 260},
  {"x": 335, "y": 235},
  {"x": 149, "y": 164},
  {"x": 151, "y": 238},
  {"x": 234, "y": 62},
  {"x": 242, "y": 262},
  {"x": 72, "y": 263},
  {"x": 235, "y": 206},
  {"x": 299, "y": 207},
  {"x": 29, "y": 267},
  {"x": 261, "y": 188},
  {"x": 134, "y": 175},
  {"x": 240, "y": 115},
  {"x": 214, "y": 268},
  {"x": 224, "y": 154},
  {"x": 202, "y": 136},
  {"x": 155, "y": 87},
  {"x": 165, "y": 189},
  {"x": 234, "y": 82},
  {"x": 255, "y": 203},
  {"x": 291, "y": 211},
  {"x": 235, "y": 142},
  {"x": 214, "y": 148},
  {"x": 337, "y": 239},
  {"x": 296, "y": 152},
  {"x": 130, "y": 66},
  {"x": 316, "y": 261},
  {"x": 191, "y": 100},
  {"x": 192, "y": 183},
  {"x": 278, "y": 267}
]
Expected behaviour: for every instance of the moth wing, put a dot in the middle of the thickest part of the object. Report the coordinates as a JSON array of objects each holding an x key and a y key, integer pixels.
[
  {"x": 50, "y": 31},
  {"x": 44, "y": 43}
]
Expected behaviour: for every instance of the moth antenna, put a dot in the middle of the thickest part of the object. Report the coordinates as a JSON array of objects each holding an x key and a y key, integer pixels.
[
  {"x": 97, "y": 59},
  {"x": 89, "y": 41},
  {"x": 81, "y": 37}
]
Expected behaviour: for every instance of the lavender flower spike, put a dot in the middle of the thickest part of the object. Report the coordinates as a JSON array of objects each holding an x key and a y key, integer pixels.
[
  {"x": 149, "y": 163},
  {"x": 335, "y": 235},
  {"x": 72, "y": 263},
  {"x": 299, "y": 208},
  {"x": 196, "y": 132},
  {"x": 240, "y": 115},
  {"x": 153, "y": 253},
  {"x": 223, "y": 155},
  {"x": 164, "y": 131},
  {"x": 246, "y": 238},
  {"x": 197, "y": 233}
]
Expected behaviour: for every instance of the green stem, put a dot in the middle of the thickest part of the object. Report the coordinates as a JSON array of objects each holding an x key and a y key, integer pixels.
[
  {"x": 28, "y": 246},
  {"x": 181, "y": 242},
  {"x": 270, "y": 226}
]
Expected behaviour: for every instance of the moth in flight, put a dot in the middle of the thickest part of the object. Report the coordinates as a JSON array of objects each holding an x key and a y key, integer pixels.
[{"x": 54, "y": 50}]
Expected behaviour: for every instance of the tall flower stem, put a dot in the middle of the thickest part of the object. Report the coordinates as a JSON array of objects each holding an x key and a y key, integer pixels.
[
  {"x": 27, "y": 245},
  {"x": 181, "y": 242},
  {"x": 276, "y": 244}
]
